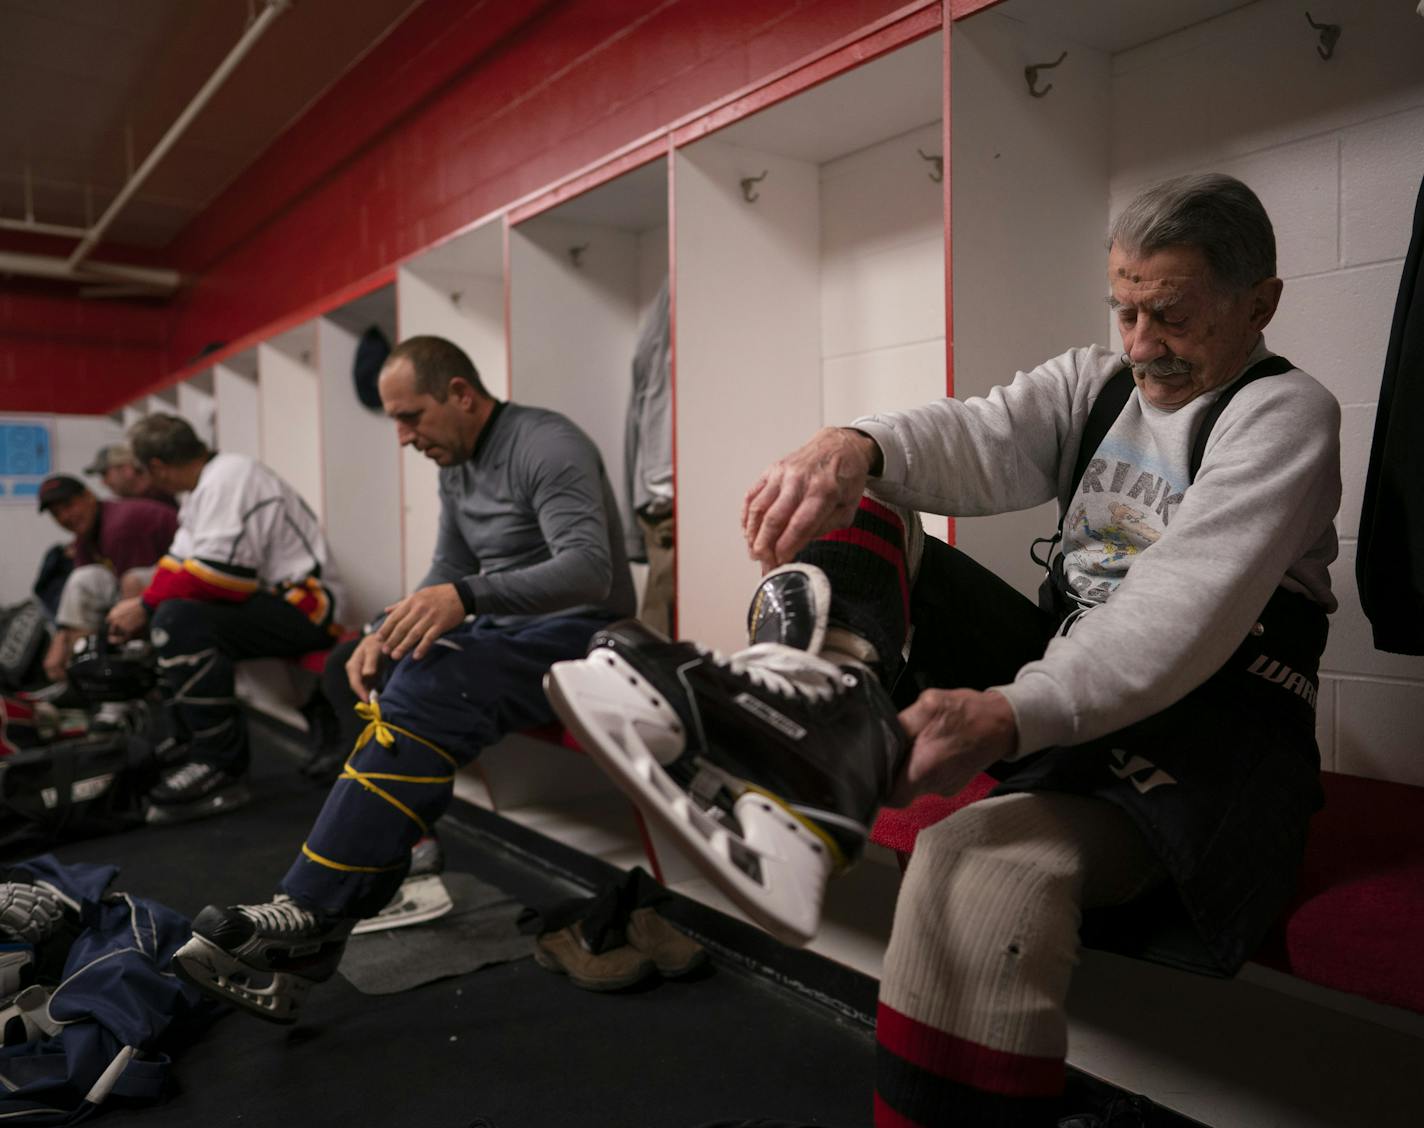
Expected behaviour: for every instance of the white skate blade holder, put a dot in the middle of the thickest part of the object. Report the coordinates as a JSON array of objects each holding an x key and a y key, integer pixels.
[
  {"x": 419, "y": 899},
  {"x": 615, "y": 715},
  {"x": 212, "y": 971}
]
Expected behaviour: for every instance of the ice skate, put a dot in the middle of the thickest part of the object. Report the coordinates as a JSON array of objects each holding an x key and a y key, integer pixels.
[
  {"x": 263, "y": 958},
  {"x": 193, "y": 791},
  {"x": 422, "y": 896},
  {"x": 767, "y": 767}
]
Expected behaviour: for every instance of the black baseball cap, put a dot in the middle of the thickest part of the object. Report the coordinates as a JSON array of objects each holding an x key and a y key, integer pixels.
[{"x": 59, "y": 487}]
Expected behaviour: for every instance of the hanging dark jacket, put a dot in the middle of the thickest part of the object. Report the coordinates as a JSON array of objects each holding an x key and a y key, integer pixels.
[{"x": 1389, "y": 566}]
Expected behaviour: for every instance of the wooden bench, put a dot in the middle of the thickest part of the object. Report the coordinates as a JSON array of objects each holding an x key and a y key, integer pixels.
[{"x": 1357, "y": 922}]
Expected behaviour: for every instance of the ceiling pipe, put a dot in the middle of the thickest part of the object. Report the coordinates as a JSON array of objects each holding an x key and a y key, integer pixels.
[
  {"x": 271, "y": 10},
  {"x": 52, "y": 266},
  {"x": 34, "y": 227}
]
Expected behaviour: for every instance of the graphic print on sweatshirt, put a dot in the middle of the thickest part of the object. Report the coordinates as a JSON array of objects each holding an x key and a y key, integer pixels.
[{"x": 1124, "y": 504}]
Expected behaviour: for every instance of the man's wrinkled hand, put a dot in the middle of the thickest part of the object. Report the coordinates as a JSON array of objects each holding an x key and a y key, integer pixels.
[
  {"x": 806, "y": 494},
  {"x": 127, "y": 618},
  {"x": 363, "y": 668},
  {"x": 413, "y": 624},
  {"x": 954, "y": 735}
]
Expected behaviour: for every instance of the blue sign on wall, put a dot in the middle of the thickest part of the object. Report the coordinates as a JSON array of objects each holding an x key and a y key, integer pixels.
[{"x": 26, "y": 457}]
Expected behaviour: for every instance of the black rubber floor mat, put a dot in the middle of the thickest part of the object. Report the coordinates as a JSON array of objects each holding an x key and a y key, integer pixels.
[{"x": 510, "y": 1046}]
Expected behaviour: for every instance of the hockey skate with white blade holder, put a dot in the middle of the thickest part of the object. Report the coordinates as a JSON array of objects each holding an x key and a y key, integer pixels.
[{"x": 766, "y": 767}]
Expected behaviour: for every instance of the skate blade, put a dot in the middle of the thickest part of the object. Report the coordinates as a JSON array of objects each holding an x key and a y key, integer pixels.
[
  {"x": 227, "y": 800},
  {"x": 418, "y": 900},
  {"x": 212, "y": 971},
  {"x": 775, "y": 870}
]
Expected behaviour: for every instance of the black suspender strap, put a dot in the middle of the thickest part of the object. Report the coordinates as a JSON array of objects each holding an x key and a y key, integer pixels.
[
  {"x": 1101, "y": 416},
  {"x": 1271, "y": 366}
]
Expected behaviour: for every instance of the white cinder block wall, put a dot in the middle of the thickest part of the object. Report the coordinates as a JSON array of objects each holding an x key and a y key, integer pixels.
[
  {"x": 882, "y": 281},
  {"x": 1336, "y": 152}
]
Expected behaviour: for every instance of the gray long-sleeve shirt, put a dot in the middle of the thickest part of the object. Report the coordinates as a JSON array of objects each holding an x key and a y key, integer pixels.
[
  {"x": 1257, "y": 516},
  {"x": 529, "y": 525}
]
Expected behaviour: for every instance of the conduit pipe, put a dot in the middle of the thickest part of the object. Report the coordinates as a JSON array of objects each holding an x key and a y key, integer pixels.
[
  {"x": 35, "y": 227},
  {"x": 51, "y": 266},
  {"x": 271, "y": 10}
]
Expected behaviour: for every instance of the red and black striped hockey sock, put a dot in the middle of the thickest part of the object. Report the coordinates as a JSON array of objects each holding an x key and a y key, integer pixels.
[
  {"x": 870, "y": 579},
  {"x": 926, "y": 1077}
]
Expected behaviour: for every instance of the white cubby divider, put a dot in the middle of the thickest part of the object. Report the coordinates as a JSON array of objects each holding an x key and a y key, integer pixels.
[
  {"x": 237, "y": 422},
  {"x": 361, "y": 463},
  {"x": 289, "y": 401}
]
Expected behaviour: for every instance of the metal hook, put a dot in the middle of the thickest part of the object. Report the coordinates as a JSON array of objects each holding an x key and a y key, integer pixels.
[
  {"x": 1329, "y": 36},
  {"x": 748, "y": 191},
  {"x": 1031, "y": 73},
  {"x": 576, "y": 254},
  {"x": 937, "y": 173}
]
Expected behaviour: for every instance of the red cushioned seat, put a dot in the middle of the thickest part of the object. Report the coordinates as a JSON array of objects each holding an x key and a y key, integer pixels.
[
  {"x": 1357, "y": 922},
  {"x": 315, "y": 660}
]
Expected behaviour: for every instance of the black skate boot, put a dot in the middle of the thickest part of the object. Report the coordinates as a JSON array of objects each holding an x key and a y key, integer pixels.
[
  {"x": 263, "y": 958},
  {"x": 767, "y": 767},
  {"x": 195, "y": 790}
]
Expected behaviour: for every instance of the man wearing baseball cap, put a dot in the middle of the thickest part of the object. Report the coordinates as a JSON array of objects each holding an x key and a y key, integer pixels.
[
  {"x": 116, "y": 546},
  {"x": 115, "y": 466}
]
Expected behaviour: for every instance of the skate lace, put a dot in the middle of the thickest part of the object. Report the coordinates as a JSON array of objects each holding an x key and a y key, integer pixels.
[
  {"x": 187, "y": 775},
  {"x": 282, "y": 915},
  {"x": 786, "y": 671}
]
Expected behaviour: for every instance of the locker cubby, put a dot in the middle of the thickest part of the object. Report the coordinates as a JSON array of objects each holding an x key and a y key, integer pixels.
[
  {"x": 583, "y": 276},
  {"x": 809, "y": 289}
]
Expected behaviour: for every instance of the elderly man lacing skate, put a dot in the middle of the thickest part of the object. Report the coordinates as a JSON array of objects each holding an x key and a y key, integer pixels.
[{"x": 1151, "y": 721}]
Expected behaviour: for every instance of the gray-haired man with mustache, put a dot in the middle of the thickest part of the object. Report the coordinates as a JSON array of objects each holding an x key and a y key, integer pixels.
[{"x": 1151, "y": 721}]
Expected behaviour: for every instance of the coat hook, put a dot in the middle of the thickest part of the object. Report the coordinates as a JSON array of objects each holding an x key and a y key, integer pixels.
[
  {"x": 1329, "y": 36},
  {"x": 576, "y": 254},
  {"x": 748, "y": 191},
  {"x": 1031, "y": 73},
  {"x": 937, "y": 173},
  {"x": 455, "y": 296}
]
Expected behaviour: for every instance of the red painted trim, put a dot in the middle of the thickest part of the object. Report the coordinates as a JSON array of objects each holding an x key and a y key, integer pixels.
[
  {"x": 946, "y": 148},
  {"x": 505, "y": 232},
  {"x": 672, "y": 368},
  {"x": 958, "y": 9},
  {"x": 964, "y": 1062},
  {"x": 626, "y": 159},
  {"x": 881, "y": 37}
]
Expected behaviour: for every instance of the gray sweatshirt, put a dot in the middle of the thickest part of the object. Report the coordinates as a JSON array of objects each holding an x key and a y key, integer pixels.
[
  {"x": 1258, "y": 516},
  {"x": 529, "y": 525}
]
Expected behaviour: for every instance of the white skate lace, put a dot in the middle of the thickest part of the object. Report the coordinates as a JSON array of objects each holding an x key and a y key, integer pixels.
[
  {"x": 281, "y": 915},
  {"x": 187, "y": 775},
  {"x": 786, "y": 671}
]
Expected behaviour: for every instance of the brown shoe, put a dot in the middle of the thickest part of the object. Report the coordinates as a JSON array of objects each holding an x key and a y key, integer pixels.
[
  {"x": 565, "y": 952},
  {"x": 672, "y": 952}
]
